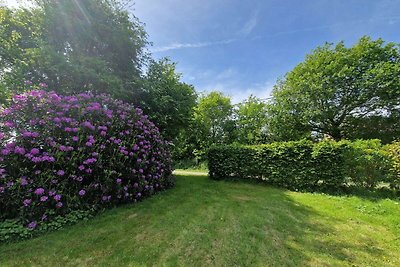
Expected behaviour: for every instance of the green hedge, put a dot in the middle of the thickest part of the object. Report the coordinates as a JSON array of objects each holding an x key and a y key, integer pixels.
[
  {"x": 393, "y": 151},
  {"x": 304, "y": 165}
]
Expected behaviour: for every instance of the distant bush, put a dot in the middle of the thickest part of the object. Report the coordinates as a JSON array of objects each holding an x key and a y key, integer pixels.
[
  {"x": 59, "y": 154},
  {"x": 303, "y": 165},
  {"x": 393, "y": 151},
  {"x": 367, "y": 164}
]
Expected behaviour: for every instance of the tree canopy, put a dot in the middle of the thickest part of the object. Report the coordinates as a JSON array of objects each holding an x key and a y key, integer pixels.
[
  {"x": 336, "y": 88},
  {"x": 74, "y": 46},
  {"x": 167, "y": 99},
  {"x": 251, "y": 121}
]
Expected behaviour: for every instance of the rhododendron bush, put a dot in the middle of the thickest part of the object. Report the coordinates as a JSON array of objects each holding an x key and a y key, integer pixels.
[{"x": 64, "y": 153}]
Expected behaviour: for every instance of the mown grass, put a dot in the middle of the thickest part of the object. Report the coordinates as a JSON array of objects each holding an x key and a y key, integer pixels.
[{"x": 220, "y": 223}]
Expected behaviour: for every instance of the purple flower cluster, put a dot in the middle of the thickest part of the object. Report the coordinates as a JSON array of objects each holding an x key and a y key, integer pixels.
[{"x": 82, "y": 151}]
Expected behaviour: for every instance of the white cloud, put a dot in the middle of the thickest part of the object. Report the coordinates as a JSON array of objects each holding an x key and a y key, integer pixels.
[
  {"x": 249, "y": 26},
  {"x": 238, "y": 92},
  {"x": 175, "y": 46}
]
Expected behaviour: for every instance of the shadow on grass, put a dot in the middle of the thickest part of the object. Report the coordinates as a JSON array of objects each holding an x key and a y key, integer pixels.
[
  {"x": 200, "y": 222},
  {"x": 300, "y": 235},
  {"x": 372, "y": 194}
]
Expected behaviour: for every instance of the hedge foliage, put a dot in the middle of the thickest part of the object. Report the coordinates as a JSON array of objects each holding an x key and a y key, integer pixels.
[
  {"x": 393, "y": 151},
  {"x": 60, "y": 154},
  {"x": 307, "y": 166}
]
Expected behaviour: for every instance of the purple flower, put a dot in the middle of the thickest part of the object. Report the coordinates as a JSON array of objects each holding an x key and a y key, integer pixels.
[
  {"x": 24, "y": 181},
  {"x": 19, "y": 150},
  {"x": 52, "y": 192},
  {"x": 106, "y": 198},
  {"x": 90, "y": 161},
  {"x": 27, "y": 202},
  {"x": 81, "y": 167},
  {"x": 39, "y": 191},
  {"x": 60, "y": 173},
  {"x": 75, "y": 138},
  {"x": 59, "y": 205},
  {"x": 119, "y": 181},
  {"x": 5, "y": 152},
  {"x": 2, "y": 190},
  {"x": 89, "y": 144},
  {"x": 44, "y": 198},
  {"x": 32, "y": 225},
  {"x": 34, "y": 151},
  {"x": 82, "y": 192},
  {"x": 57, "y": 197}
]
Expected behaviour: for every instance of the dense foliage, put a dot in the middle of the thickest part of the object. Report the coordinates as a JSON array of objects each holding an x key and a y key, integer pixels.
[
  {"x": 79, "y": 152},
  {"x": 303, "y": 165},
  {"x": 338, "y": 90},
  {"x": 73, "y": 46},
  {"x": 166, "y": 99},
  {"x": 393, "y": 151},
  {"x": 251, "y": 121}
]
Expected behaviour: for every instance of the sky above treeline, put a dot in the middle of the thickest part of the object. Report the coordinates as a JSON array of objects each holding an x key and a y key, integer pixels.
[{"x": 243, "y": 47}]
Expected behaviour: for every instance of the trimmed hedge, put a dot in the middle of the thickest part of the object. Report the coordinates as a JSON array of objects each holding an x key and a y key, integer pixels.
[{"x": 304, "y": 165}]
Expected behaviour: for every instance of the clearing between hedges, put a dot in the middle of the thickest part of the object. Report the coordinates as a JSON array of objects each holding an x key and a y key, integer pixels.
[{"x": 202, "y": 222}]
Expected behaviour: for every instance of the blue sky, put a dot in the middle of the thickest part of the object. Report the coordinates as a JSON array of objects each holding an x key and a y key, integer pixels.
[{"x": 242, "y": 47}]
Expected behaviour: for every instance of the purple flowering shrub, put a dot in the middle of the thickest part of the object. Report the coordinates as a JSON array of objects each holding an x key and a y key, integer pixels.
[{"x": 80, "y": 152}]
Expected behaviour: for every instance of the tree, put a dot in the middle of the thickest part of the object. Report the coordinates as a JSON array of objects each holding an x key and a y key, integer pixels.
[
  {"x": 335, "y": 87},
  {"x": 251, "y": 120},
  {"x": 77, "y": 46},
  {"x": 168, "y": 101},
  {"x": 213, "y": 120},
  {"x": 20, "y": 35}
]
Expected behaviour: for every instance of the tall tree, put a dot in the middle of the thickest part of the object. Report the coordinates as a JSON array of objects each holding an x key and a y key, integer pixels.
[
  {"x": 81, "y": 45},
  {"x": 213, "y": 120},
  {"x": 20, "y": 36},
  {"x": 336, "y": 87},
  {"x": 166, "y": 99},
  {"x": 251, "y": 120}
]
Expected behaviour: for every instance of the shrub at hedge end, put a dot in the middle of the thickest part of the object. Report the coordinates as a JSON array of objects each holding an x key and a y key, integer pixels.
[
  {"x": 393, "y": 151},
  {"x": 82, "y": 152}
]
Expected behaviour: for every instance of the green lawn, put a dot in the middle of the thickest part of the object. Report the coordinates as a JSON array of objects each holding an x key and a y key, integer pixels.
[{"x": 220, "y": 223}]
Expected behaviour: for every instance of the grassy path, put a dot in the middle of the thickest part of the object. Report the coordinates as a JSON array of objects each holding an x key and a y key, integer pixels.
[{"x": 220, "y": 223}]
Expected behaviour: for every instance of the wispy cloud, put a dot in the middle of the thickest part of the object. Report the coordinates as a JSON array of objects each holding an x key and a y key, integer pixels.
[
  {"x": 175, "y": 46},
  {"x": 249, "y": 26},
  {"x": 239, "y": 92}
]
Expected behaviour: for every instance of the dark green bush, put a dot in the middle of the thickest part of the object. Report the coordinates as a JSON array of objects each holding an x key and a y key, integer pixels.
[
  {"x": 393, "y": 152},
  {"x": 366, "y": 164},
  {"x": 304, "y": 165}
]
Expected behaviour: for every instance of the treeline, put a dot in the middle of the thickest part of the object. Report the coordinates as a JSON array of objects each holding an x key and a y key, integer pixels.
[{"x": 338, "y": 92}]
